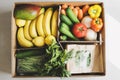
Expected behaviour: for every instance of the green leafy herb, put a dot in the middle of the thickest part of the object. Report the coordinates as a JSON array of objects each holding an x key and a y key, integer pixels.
[
  {"x": 55, "y": 65},
  {"x": 28, "y": 64}
]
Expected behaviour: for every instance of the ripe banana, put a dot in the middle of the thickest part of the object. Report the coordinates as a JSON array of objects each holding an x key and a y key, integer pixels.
[
  {"x": 20, "y": 22},
  {"x": 54, "y": 23},
  {"x": 26, "y": 30},
  {"x": 46, "y": 21},
  {"x": 33, "y": 32},
  {"x": 42, "y": 10},
  {"x": 21, "y": 39},
  {"x": 40, "y": 25}
]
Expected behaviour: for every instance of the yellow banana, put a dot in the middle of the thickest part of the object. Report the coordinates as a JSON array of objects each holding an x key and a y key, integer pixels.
[
  {"x": 20, "y": 22},
  {"x": 42, "y": 10},
  {"x": 33, "y": 32},
  {"x": 21, "y": 39},
  {"x": 54, "y": 23},
  {"x": 40, "y": 25},
  {"x": 46, "y": 21},
  {"x": 26, "y": 30}
]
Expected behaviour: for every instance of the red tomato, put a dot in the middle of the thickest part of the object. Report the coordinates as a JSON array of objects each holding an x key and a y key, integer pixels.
[{"x": 79, "y": 30}]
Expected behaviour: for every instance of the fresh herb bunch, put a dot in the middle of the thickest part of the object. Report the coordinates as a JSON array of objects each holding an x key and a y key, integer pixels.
[
  {"x": 54, "y": 62},
  {"x": 28, "y": 64}
]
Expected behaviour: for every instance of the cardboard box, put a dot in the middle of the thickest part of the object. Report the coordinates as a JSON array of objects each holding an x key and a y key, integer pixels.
[{"x": 100, "y": 65}]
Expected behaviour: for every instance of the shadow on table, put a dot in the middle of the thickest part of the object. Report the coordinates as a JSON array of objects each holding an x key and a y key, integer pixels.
[{"x": 5, "y": 42}]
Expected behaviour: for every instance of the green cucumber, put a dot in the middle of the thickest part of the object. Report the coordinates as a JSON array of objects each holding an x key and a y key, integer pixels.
[
  {"x": 66, "y": 20},
  {"x": 72, "y": 16},
  {"x": 63, "y": 37},
  {"x": 65, "y": 26},
  {"x": 27, "y": 53},
  {"x": 64, "y": 29}
]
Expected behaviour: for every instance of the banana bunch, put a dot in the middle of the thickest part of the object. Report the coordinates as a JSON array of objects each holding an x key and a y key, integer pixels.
[{"x": 40, "y": 31}]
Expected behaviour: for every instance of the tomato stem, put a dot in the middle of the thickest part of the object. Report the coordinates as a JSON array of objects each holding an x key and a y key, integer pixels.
[{"x": 81, "y": 29}]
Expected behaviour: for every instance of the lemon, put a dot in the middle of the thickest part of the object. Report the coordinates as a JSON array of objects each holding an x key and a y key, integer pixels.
[
  {"x": 38, "y": 41},
  {"x": 49, "y": 39},
  {"x": 20, "y": 22}
]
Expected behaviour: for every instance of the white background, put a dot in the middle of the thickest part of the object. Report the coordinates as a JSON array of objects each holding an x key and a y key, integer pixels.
[{"x": 112, "y": 15}]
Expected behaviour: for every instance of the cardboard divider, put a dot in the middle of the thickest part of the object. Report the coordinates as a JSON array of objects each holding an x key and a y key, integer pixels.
[{"x": 13, "y": 45}]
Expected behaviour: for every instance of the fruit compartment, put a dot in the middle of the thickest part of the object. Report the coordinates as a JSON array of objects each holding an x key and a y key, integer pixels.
[
  {"x": 100, "y": 34},
  {"x": 17, "y": 46}
]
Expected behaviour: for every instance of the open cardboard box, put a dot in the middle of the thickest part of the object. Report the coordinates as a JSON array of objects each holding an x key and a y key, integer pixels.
[{"x": 99, "y": 65}]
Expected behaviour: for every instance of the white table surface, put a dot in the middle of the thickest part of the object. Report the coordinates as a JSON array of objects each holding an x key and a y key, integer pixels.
[{"x": 112, "y": 18}]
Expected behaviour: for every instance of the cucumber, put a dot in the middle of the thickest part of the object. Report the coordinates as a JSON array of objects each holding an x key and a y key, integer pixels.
[
  {"x": 72, "y": 16},
  {"x": 64, "y": 29},
  {"x": 65, "y": 26},
  {"x": 66, "y": 20},
  {"x": 63, "y": 37},
  {"x": 27, "y": 53}
]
